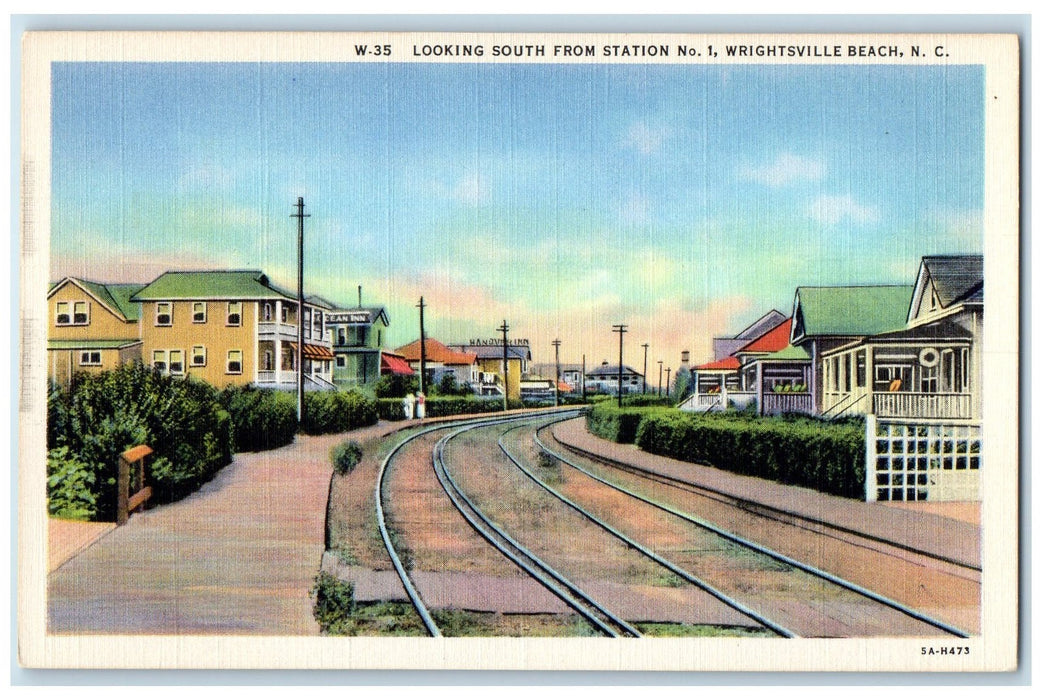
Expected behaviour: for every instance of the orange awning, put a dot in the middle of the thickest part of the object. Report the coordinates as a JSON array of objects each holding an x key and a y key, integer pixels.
[{"x": 314, "y": 352}]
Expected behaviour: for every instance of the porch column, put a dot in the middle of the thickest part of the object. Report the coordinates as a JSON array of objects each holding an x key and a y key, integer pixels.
[
  {"x": 723, "y": 391},
  {"x": 870, "y": 381},
  {"x": 278, "y": 342},
  {"x": 870, "y": 458},
  {"x": 759, "y": 388}
]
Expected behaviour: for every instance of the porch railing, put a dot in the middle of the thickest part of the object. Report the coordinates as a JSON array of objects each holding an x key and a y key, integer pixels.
[
  {"x": 787, "y": 403},
  {"x": 900, "y": 404}
]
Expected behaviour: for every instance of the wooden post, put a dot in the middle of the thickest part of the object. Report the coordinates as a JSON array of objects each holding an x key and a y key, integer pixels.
[{"x": 125, "y": 501}]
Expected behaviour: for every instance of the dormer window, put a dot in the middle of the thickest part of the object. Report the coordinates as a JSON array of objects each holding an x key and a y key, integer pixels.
[
  {"x": 198, "y": 312},
  {"x": 164, "y": 313},
  {"x": 234, "y": 313},
  {"x": 80, "y": 313}
]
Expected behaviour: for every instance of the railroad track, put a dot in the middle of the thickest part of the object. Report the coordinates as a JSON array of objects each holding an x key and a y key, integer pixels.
[
  {"x": 710, "y": 527},
  {"x": 554, "y": 581},
  {"x": 572, "y": 595}
]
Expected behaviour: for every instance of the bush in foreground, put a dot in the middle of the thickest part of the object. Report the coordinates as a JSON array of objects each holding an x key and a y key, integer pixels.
[
  {"x": 337, "y": 412},
  {"x": 346, "y": 456},
  {"x": 262, "y": 419}
]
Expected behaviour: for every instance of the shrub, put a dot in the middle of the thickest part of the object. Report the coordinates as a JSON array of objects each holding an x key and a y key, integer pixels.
[
  {"x": 390, "y": 409},
  {"x": 392, "y": 386},
  {"x": 337, "y": 412},
  {"x": 262, "y": 419},
  {"x": 647, "y": 400},
  {"x": 70, "y": 486},
  {"x": 101, "y": 415},
  {"x": 345, "y": 456},
  {"x": 334, "y": 604}
]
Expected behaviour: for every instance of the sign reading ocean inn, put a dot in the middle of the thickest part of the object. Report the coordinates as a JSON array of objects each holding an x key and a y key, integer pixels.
[{"x": 662, "y": 336}]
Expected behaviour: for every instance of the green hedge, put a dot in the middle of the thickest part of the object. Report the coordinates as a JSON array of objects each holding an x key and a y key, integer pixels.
[
  {"x": 101, "y": 415},
  {"x": 441, "y": 406},
  {"x": 262, "y": 419},
  {"x": 337, "y": 412},
  {"x": 825, "y": 456},
  {"x": 610, "y": 422}
]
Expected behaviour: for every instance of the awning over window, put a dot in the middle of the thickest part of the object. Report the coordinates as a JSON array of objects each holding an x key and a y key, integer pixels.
[
  {"x": 314, "y": 352},
  {"x": 394, "y": 365}
]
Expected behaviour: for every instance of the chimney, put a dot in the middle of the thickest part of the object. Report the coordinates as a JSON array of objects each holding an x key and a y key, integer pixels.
[{"x": 359, "y": 296}]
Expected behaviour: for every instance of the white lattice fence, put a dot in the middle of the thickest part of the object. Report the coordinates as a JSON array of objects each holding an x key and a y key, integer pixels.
[{"x": 918, "y": 461}]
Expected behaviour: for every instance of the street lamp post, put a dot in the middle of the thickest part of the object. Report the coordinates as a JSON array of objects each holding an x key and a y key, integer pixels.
[
  {"x": 668, "y": 370},
  {"x": 557, "y": 372},
  {"x": 300, "y": 216},
  {"x": 659, "y": 392}
]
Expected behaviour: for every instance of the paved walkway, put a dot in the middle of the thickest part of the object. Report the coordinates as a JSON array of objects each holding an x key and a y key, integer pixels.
[
  {"x": 238, "y": 556},
  {"x": 950, "y": 538}
]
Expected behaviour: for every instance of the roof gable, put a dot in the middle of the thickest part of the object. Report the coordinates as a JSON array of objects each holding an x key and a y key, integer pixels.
[
  {"x": 115, "y": 297},
  {"x": 951, "y": 279},
  {"x": 771, "y": 341},
  {"x": 849, "y": 311}
]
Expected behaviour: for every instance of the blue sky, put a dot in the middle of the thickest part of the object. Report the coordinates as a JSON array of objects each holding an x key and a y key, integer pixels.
[{"x": 684, "y": 201}]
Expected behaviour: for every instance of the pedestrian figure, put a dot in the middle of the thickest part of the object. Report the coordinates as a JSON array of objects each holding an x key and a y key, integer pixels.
[
  {"x": 421, "y": 405},
  {"x": 407, "y": 406}
]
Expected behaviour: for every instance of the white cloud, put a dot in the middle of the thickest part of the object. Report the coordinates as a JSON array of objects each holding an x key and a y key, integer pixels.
[
  {"x": 835, "y": 209},
  {"x": 645, "y": 139},
  {"x": 471, "y": 189},
  {"x": 785, "y": 169}
]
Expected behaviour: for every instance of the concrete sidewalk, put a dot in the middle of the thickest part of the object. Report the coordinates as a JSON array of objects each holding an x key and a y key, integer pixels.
[
  {"x": 921, "y": 530},
  {"x": 238, "y": 556}
]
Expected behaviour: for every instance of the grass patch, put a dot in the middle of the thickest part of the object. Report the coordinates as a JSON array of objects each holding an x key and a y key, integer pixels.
[{"x": 676, "y": 629}]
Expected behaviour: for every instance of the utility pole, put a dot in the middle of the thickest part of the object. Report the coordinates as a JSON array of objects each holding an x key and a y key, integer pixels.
[
  {"x": 644, "y": 379},
  {"x": 620, "y": 329},
  {"x": 557, "y": 371},
  {"x": 504, "y": 328},
  {"x": 659, "y": 392},
  {"x": 423, "y": 350},
  {"x": 583, "y": 379},
  {"x": 300, "y": 216},
  {"x": 668, "y": 370}
]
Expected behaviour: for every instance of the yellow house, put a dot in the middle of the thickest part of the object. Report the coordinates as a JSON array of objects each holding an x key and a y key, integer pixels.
[
  {"x": 92, "y": 327},
  {"x": 490, "y": 362},
  {"x": 232, "y": 327}
]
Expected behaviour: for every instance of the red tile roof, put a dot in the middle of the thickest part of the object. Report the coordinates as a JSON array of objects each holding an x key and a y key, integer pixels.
[
  {"x": 772, "y": 341},
  {"x": 436, "y": 352},
  {"x": 394, "y": 364},
  {"x": 726, "y": 363}
]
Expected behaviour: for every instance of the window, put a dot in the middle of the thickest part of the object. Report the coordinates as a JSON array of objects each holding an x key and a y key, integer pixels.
[
  {"x": 159, "y": 360},
  {"x": 929, "y": 380},
  {"x": 198, "y": 312},
  {"x": 861, "y": 369},
  {"x": 285, "y": 314},
  {"x": 72, "y": 313},
  {"x": 81, "y": 313},
  {"x": 269, "y": 361},
  {"x": 198, "y": 356},
  {"x": 177, "y": 362},
  {"x": 340, "y": 361},
  {"x": 234, "y": 362},
  {"x": 90, "y": 358},
  {"x": 267, "y": 311},
  {"x": 164, "y": 313},
  {"x": 234, "y": 313}
]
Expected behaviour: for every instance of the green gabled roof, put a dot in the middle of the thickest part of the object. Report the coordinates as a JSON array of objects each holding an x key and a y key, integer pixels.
[
  {"x": 91, "y": 344},
  {"x": 214, "y": 284},
  {"x": 789, "y": 353},
  {"x": 850, "y": 311},
  {"x": 115, "y": 296}
]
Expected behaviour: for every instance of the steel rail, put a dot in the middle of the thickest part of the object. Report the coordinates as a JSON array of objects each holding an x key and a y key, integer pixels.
[
  {"x": 762, "y": 510},
  {"x": 381, "y": 519},
  {"x": 777, "y": 556},
  {"x": 651, "y": 554},
  {"x": 550, "y": 578}
]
